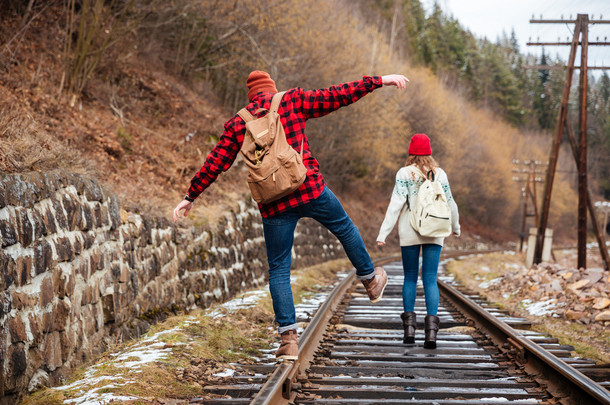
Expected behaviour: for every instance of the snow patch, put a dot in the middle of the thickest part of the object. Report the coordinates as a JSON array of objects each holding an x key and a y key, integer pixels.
[
  {"x": 94, "y": 398},
  {"x": 147, "y": 351},
  {"x": 488, "y": 283},
  {"x": 247, "y": 300},
  {"x": 540, "y": 308},
  {"x": 227, "y": 373}
]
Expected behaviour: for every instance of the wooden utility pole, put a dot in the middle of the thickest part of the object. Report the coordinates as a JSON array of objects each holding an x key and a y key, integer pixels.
[
  {"x": 529, "y": 192},
  {"x": 582, "y": 132},
  {"x": 580, "y": 38},
  {"x": 550, "y": 174},
  {"x": 597, "y": 228}
]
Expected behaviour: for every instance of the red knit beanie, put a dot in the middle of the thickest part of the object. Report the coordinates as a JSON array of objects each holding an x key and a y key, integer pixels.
[
  {"x": 259, "y": 81},
  {"x": 420, "y": 145}
]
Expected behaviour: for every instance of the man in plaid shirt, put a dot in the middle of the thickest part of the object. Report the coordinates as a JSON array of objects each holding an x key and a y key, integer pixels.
[{"x": 312, "y": 199}]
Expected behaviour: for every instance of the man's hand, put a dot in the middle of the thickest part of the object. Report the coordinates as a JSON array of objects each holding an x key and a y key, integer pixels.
[
  {"x": 380, "y": 243},
  {"x": 399, "y": 81},
  {"x": 184, "y": 205}
]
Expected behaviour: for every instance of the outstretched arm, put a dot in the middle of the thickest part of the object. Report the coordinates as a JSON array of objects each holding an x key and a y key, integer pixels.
[{"x": 316, "y": 103}]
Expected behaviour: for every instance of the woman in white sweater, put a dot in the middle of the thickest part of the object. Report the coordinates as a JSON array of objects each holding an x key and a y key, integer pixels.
[{"x": 408, "y": 180}]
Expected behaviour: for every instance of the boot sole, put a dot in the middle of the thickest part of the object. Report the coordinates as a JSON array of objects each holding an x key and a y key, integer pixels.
[
  {"x": 409, "y": 340},
  {"x": 286, "y": 357},
  {"x": 381, "y": 293}
]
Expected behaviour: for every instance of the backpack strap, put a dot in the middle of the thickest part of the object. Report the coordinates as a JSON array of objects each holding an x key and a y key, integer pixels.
[
  {"x": 245, "y": 115},
  {"x": 275, "y": 104},
  {"x": 417, "y": 171},
  {"x": 275, "y": 101},
  {"x": 430, "y": 175}
]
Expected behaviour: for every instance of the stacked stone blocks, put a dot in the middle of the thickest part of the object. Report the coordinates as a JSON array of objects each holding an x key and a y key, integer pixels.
[{"x": 78, "y": 272}]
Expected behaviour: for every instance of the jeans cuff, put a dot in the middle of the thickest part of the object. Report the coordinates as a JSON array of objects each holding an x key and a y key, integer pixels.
[
  {"x": 282, "y": 329},
  {"x": 367, "y": 276}
]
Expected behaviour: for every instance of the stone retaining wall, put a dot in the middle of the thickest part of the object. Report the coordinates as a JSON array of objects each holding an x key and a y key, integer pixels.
[{"x": 77, "y": 271}]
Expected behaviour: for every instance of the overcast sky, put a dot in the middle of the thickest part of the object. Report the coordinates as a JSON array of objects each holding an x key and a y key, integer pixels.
[{"x": 488, "y": 18}]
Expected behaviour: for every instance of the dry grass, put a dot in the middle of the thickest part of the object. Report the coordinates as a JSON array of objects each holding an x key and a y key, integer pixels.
[
  {"x": 158, "y": 381},
  {"x": 588, "y": 343},
  {"x": 45, "y": 396},
  {"x": 311, "y": 279},
  {"x": 25, "y": 146},
  {"x": 472, "y": 271},
  {"x": 201, "y": 346}
]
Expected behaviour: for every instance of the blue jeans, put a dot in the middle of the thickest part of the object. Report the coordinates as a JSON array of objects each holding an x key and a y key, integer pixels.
[
  {"x": 279, "y": 239},
  {"x": 431, "y": 254}
]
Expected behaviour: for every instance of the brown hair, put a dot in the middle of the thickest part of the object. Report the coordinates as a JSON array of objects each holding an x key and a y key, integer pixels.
[{"x": 423, "y": 163}]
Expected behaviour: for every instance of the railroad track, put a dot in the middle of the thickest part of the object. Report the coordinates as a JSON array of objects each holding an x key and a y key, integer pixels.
[{"x": 351, "y": 352}]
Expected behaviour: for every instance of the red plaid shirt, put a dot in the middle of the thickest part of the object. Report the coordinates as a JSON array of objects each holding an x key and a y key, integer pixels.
[{"x": 296, "y": 107}]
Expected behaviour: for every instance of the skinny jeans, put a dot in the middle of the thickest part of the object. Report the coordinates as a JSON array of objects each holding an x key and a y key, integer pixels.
[
  {"x": 410, "y": 262},
  {"x": 279, "y": 241}
]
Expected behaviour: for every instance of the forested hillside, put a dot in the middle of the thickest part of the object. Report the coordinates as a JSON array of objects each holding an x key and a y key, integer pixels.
[
  {"x": 493, "y": 74},
  {"x": 135, "y": 92}
]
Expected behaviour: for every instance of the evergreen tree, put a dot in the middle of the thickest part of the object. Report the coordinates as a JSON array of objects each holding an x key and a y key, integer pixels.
[
  {"x": 542, "y": 103},
  {"x": 432, "y": 38},
  {"x": 501, "y": 92},
  {"x": 543, "y": 73},
  {"x": 414, "y": 21},
  {"x": 514, "y": 44}
]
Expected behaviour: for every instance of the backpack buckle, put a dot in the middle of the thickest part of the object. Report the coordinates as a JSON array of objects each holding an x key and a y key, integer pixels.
[{"x": 257, "y": 156}]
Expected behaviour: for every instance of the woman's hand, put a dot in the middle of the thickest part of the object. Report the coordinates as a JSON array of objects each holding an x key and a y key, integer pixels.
[
  {"x": 184, "y": 205},
  {"x": 380, "y": 243}
]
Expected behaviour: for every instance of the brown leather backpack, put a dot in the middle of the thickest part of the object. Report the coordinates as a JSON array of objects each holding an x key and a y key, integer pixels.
[{"x": 275, "y": 168}]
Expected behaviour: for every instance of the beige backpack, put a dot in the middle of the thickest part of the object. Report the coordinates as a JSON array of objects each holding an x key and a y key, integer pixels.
[
  {"x": 275, "y": 168},
  {"x": 430, "y": 214}
]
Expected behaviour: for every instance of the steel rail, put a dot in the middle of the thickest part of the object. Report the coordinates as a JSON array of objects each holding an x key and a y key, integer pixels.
[
  {"x": 563, "y": 379},
  {"x": 278, "y": 388}
]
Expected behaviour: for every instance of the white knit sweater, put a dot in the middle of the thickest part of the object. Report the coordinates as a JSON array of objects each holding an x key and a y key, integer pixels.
[{"x": 407, "y": 186}]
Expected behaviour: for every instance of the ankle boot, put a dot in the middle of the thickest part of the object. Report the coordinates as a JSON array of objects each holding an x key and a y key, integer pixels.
[
  {"x": 375, "y": 286},
  {"x": 431, "y": 328},
  {"x": 289, "y": 348},
  {"x": 408, "y": 323}
]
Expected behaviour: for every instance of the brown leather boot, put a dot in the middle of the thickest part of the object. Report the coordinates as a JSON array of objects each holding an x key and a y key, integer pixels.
[
  {"x": 409, "y": 321},
  {"x": 375, "y": 286},
  {"x": 430, "y": 328},
  {"x": 289, "y": 348}
]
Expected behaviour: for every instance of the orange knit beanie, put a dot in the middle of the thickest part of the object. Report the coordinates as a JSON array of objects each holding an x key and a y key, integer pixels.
[{"x": 259, "y": 81}]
